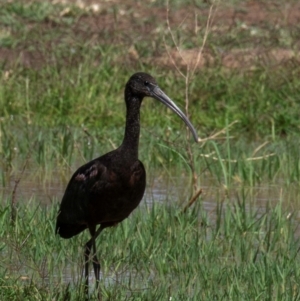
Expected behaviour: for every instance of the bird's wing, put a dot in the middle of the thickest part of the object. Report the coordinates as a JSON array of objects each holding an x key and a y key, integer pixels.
[{"x": 74, "y": 205}]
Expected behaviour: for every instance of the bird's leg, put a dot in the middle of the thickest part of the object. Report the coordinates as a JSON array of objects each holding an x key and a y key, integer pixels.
[
  {"x": 87, "y": 251},
  {"x": 92, "y": 244},
  {"x": 96, "y": 262}
]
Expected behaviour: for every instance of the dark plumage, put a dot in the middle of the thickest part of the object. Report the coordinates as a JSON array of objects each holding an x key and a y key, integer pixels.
[{"x": 106, "y": 190}]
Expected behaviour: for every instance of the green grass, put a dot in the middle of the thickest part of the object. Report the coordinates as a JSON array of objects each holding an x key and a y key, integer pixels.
[{"x": 236, "y": 252}]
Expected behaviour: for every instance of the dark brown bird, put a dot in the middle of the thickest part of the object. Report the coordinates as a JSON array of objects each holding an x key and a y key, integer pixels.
[{"x": 106, "y": 190}]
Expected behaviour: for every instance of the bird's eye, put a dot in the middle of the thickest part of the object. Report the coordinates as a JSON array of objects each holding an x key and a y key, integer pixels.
[{"x": 146, "y": 83}]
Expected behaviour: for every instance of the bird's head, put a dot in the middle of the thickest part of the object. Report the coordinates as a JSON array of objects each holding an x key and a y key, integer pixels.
[{"x": 142, "y": 84}]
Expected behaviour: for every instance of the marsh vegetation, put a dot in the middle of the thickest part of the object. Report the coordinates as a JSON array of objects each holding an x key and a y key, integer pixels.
[{"x": 63, "y": 70}]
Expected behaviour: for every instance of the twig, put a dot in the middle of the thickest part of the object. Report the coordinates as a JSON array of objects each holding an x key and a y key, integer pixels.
[
  {"x": 234, "y": 160},
  {"x": 13, "y": 215},
  {"x": 192, "y": 200},
  {"x": 206, "y": 32},
  {"x": 174, "y": 41},
  {"x": 188, "y": 75},
  {"x": 214, "y": 136},
  {"x": 260, "y": 147}
]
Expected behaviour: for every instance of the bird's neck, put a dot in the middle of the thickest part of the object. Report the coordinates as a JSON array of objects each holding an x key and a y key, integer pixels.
[{"x": 130, "y": 142}]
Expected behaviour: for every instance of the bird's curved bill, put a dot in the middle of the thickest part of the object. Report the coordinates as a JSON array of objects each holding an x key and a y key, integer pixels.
[{"x": 162, "y": 97}]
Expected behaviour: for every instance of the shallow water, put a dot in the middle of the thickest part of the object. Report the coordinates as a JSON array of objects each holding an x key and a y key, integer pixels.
[
  {"x": 35, "y": 186},
  {"x": 161, "y": 186},
  {"x": 171, "y": 188}
]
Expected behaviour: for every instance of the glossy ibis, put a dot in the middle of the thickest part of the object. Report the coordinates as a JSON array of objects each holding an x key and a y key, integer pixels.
[{"x": 106, "y": 190}]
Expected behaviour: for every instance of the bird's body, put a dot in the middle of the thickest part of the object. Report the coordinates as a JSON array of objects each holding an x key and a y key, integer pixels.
[{"x": 106, "y": 190}]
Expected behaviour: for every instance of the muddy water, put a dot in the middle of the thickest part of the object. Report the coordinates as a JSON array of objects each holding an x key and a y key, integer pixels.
[
  {"x": 45, "y": 189},
  {"x": 36, "y": 186}
]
